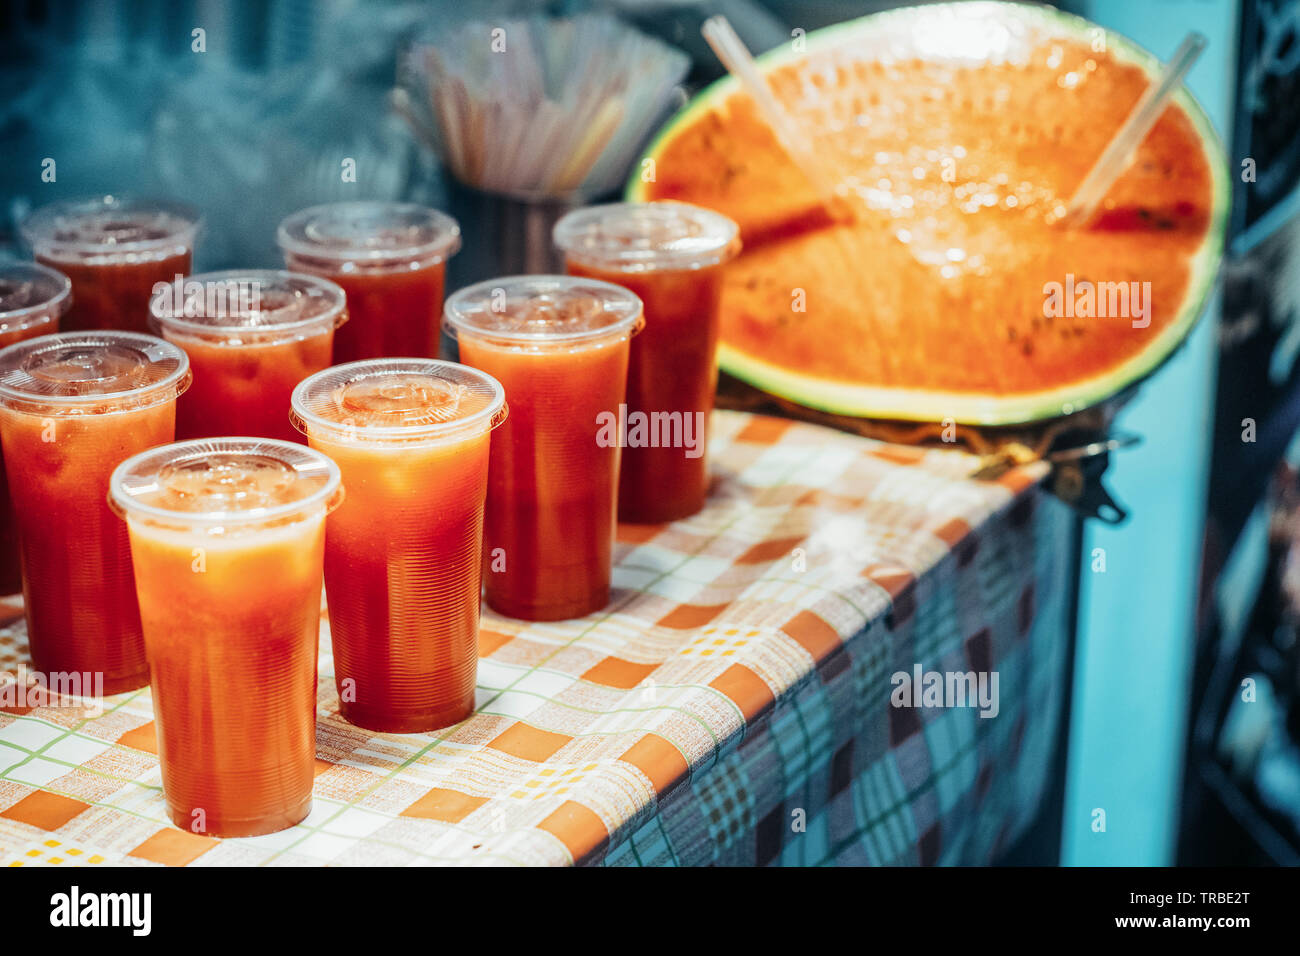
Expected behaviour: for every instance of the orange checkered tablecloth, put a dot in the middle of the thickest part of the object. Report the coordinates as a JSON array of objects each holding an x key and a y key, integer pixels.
[{"x": 732, "y": 705}]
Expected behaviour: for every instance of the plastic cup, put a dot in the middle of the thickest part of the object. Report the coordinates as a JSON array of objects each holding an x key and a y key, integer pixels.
[
  {"x": 390, "y": 258},
  {"x": 251, "y": 336},
  {"x": 559, "y": 346},
  {"x": 228, "y": 539},
  {"x": 115, "y": 251},
  {"x": 73, "y": 406},
  {"x": 672, "y": 256},
  {"x": 402, "y": 571},
  {"x": 32, "y": 298}
]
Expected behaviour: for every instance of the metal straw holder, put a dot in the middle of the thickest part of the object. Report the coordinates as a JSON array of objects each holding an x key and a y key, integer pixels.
[{"x": 503, "y": 235}]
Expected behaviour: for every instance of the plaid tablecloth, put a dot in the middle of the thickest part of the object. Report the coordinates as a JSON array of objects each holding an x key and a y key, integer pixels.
[{"x": 732, "y": 706}]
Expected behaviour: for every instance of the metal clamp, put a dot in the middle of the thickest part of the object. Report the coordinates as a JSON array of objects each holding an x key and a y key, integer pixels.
[{"x": 1076, "y": 475}]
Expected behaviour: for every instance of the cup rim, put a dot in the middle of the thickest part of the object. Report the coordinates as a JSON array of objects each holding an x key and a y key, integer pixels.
[
  {"x": 445, "y": 243},
  {"x": 332, "y": 318},
  {"x": 457, "y": 323},
  {"x": 40, "y": 313},
  {"x": 328, "y": 496},
  {"x": 719, "y": 242},
  {"x": 172, "y": 386},
  {"x": 484, "y": 420},
  {"x": 36, "y": 228}
]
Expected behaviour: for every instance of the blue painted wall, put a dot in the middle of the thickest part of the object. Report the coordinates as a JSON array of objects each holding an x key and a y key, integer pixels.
[{"x": 1134, "y": 658}]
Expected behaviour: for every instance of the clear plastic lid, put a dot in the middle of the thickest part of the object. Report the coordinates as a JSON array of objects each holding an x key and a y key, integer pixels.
[
  {"x": 637, "y": 237},
  {"x": 258, "y": 304},
  {"x": 398, "y": 400},
  {"x": 225, "y": 481},
  {"x": 91, "y": 372},
  {"x": 370, "y": 235},
  {"x": 111, "y": 229},
  {"x": 31, "y": 295},
  {"x": 544, "y": 311}
]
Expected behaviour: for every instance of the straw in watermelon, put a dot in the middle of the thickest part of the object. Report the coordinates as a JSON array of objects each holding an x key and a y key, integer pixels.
[
  {"x": 735, "y": 56},
  {"x": 1115, "y": 158}
]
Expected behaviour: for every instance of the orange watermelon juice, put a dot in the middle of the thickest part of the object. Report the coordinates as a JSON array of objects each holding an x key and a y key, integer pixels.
[
  {"x": 251, "y": 337},
  {"x": 403, "y": 552},
  {"x": 32, "y": 298},
  {"x": 227, "y": 538},
  {"x": 395, "y": 313},
  {"x": 671, "y": 256},
  {"x": 390, "y": 259},
  {"x": 72, "y": 407},
  {"x": 559, "y": 346},
  {"x": 115, "y": 296},
  {"x": 115, "y": 251},
  {"x": 246, "y": 392}
]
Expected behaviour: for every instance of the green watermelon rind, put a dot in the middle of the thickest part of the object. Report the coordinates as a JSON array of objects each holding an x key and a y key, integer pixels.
[{"x": 864, "y": 401}]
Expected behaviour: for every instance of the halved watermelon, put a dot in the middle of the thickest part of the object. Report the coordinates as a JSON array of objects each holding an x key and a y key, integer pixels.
[{"x": 959, "y": 131}]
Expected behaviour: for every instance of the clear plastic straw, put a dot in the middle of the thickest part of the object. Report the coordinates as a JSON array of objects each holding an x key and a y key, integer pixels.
[
  {"x": 1115, "y": 157},
  {"x": 735, "y": 56},
  {"x": 560, "y": 114}
]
